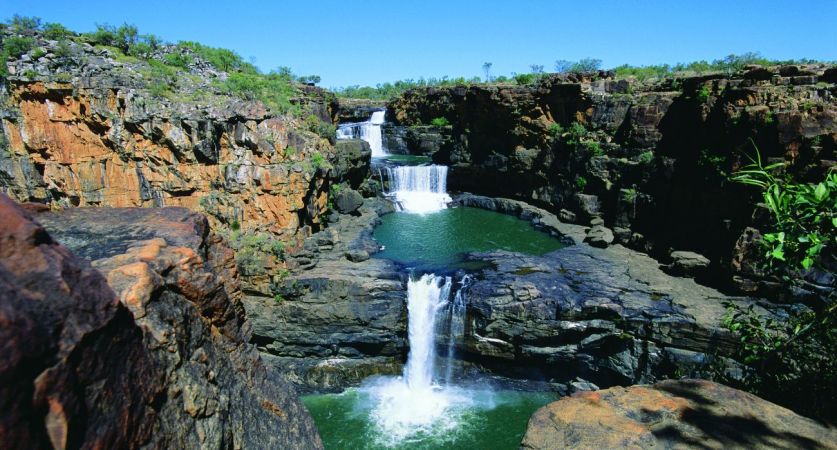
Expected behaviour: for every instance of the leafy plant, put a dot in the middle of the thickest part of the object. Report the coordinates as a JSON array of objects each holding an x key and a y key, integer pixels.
[
  {"x": 323, "y": 129},
  {"x": 594, "y": 148},
  {"x": 580, "y": 182},
  {"x": 703, "y": 94},
  {"x": 554, "y": 129},
  {"x": 646, "y": 157},
  {"x": 56, "y": 32},
  {"x": 803, "y": 215},
  {"x": 440, "y": 122},
  {"x": 319, "y": 161}
]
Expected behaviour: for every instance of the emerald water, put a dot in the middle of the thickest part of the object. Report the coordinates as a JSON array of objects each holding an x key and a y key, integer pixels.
[
  {"x": 491, "y": 420},
  {"x": 438, "y": 240}
]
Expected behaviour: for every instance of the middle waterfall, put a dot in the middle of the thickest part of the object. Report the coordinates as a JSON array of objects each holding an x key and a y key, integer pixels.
[{"x": 419, "y": 189}]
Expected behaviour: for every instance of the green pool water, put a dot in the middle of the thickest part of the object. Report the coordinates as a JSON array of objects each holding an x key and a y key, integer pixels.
[
  {"x": 438, "y": 240},
  {"x": 406, "y": 160},
  {"x": 495, "y": 421}
]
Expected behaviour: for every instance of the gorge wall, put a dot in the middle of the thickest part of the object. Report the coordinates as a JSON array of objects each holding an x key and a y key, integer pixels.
[
  {"x": 651, "y": 158},
  {"x": 88, "y": 126}
]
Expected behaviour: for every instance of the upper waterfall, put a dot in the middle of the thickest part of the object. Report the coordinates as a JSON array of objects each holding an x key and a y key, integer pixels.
[
  {"x": 369, "y": 131},
  {"x": 419, "y": 189}
]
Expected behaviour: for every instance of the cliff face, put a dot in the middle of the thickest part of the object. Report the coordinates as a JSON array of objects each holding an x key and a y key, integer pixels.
[
  {"x": 148, "y": 351},
  {"x": 650, "y": 158},
  {"x": 91, "y": 129}
]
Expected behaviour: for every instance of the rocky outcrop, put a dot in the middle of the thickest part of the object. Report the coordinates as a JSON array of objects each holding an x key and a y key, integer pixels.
[
  {"x": 340, "y": 316},
  {"x": 354, "y": 110},
  {"x": 676, "y": 414},
  {"x": 651, "y": 158},
  {"x": 97, "y": 128},
  {"x": 609, "y": 316},
  {"x": 145, "y": 349}
]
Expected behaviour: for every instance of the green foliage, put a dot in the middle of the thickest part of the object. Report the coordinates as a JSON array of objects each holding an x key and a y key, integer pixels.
[
  {"x": 38, "y": 53},
  {"x": 178, "y": 59},
  {"x": 56, "y": 32},
  {"x": 789, "y": 360},
  {"x": 554, "y": 129},
  {"x": 594, "y": 148},
  {"x": 220, "y": 58},
  {"x": 274, "y": 89},
  {"x": 13, "y": 47},
  {"x": 563, "y": 66},
  {"x": 386, "y": 91},
  {"x": 646, "y": 157},
  {"x": 524, "y": 79},
  {"x": 253, "y": 249},
  {"x": 309, "y": 79},
  {"x": 577, "y": 130},
  {"x": 580, "y": 182},
  {"x": 24, "y": 25},
  {"x": 804, "y": 220},
  {"x": 586, "y": 65},
  {"x": 290, "y": 151},
  {"x": 30, "y": 74},
  {"x": 319, "y": 161},
  {"x": 323, "y": 129},
  {"x": 63, "y": 49},
  {"x": 440, "y": 122},
  {"x": 703, "y": 94},
  {"x": 769, "y": 118}
]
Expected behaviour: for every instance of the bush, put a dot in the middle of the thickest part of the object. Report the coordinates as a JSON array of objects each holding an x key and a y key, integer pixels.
[
  {"x": 274, "y": 90},
  {"x": 804, "y": 215},
  {"x": 594, "y": 148},
  {"x": 319, "y": 161},
  {"x": 580, "y": 182},
  {"x": 24, "y": 24},
  {"x": 323, "y": 129},
  {"x": 703, "y": 94},
  {"x": 523, "y": 79},
  {"x": 586, "y": 65},
  {"x": 554, "y": 129},
  {"x": 220, "y": 58},
  {"x": 440, "y": 122},
  {"x": 56, "y": 32}
]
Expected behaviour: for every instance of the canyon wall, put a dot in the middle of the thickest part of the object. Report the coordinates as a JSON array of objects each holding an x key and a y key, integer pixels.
[{"x": 651, "y": 158}]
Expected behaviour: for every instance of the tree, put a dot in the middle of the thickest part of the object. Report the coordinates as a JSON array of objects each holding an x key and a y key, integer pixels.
[
  {"x": 586, "y": 65},
  {"x": 563, "y": 66},
  {"x": 536, "y": 69},
  {"x": 486, "y": 68}
]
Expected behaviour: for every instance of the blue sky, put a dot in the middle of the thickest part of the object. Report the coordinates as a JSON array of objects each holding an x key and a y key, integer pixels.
[{"x": 365, "y": 42}]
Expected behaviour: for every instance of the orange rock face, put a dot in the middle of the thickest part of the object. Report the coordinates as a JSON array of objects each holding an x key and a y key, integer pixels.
[
  {"x": 71, "y": 146},
  {"x": 676, "y": 414}
]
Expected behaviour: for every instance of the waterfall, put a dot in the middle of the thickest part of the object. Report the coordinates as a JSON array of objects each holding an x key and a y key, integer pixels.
[
  {"x": 419, "y": 189},
  {"x": 425, "y": 297},
  {"x": 455, "y": 326},
  {"x": 420, "y": 399},
  {"x": 369, "y": 131}
]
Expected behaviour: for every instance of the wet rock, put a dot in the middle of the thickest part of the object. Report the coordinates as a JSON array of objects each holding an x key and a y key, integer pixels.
[{"x": 677, "y": 414}]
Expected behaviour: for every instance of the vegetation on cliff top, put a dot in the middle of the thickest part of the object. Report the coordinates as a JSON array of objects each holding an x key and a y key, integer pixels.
[
  {"x": 165, "y": 66},
  {"x": 729, "y": 64}
]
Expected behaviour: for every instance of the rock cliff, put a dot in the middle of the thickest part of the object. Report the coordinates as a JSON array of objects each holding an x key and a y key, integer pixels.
[
  {"x": 650, "y": 158},
  {"x": 146, "y": 348}
]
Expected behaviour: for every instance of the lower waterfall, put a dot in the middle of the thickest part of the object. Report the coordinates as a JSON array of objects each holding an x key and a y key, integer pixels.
[{"x": 419, "y": 189}]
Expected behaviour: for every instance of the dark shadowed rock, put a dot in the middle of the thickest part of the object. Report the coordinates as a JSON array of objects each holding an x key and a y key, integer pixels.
[
  {"x": 599, "y": 236},
  {"x": 149, "y": 351},
  {"x": 688, "y": 263},
  {"x": 348, "y": 201},
  {"x": 674, "y": 414}
]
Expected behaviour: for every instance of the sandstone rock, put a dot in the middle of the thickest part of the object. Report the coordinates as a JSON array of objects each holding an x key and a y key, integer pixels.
[
  {"x": 357, "y": 255},
  {"x": 348, "y": 201},
  {"x": 688, "y": 263},
  {"x": 599, "y": 236},
  {"x": 149, "y": 351},
  {"x": 677, "y": 414}
]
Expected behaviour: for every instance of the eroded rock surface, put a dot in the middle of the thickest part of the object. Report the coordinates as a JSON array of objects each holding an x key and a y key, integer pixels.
[
  {"x": 674, "y": 414},
  {"x": 149, "y": 351}
]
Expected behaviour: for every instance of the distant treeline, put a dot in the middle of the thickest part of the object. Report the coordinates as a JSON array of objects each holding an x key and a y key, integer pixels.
[{"x": 729, "y": 64}]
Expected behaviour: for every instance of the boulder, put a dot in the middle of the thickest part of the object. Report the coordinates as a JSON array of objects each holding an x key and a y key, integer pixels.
[
  {"x": 688, "y": 263},
  {"x": 348, "y": 201},
  {"x": 145, "y": 347},
  {"x": 599, "y": 236},
  {"x": 676, "y": 414}
]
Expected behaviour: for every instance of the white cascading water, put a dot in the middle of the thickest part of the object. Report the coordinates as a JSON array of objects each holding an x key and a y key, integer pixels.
[
  {"x": 369, "y": 131},
  {"x": 419, "y": 189},
  {"x": 416, "y": 402}
]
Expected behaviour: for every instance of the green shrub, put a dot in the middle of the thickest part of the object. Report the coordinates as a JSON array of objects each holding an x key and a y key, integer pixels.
[
  {"x": 290, "y": 151},
  {"x": 554, "y": 129},
  {"x": 323, "y": 129},
  {"x": 703, "y": 94},
  {"x": 646, "y": 157},
  {"x": 56, "y": 32},
  {"x": 178, "y": 59},
  {"x": 15, "y": 46},
  {"x": 594, "y": 148},
  {"x": 440, "y": 122},
  {"x": 221, "y": 58},
  {"x": 580, "y": 182},
  {"x": 274, "y": 90},
  {"x": 319, "y": 161},
  {"x": 577, "y": 130},
  {"x": 25, "y": 25},
  {"x": 523, "y": 79},
  {"x": 804, "y": 220}
]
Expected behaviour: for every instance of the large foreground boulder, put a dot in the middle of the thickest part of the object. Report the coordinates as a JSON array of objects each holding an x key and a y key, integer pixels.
[
  {"x": 148, "y": 351},
  {"x": 673, "y": 414}
]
